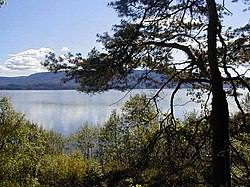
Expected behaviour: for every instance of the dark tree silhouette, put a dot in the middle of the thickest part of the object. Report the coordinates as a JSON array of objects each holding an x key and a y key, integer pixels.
[{"x": 154, "y": 31}]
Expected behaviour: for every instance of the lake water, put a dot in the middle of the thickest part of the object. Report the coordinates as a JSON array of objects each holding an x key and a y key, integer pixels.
[{"x": 66, "y": 110}]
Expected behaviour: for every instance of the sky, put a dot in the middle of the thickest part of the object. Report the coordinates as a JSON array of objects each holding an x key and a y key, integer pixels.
[{"x": 31, "y": 28}]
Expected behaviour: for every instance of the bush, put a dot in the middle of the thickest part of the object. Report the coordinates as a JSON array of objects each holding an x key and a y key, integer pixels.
[{"x": 22, "y": 145}]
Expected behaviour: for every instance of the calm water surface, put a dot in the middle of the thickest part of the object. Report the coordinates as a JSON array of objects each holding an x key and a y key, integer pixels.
[{"x": 65, "y": 111}]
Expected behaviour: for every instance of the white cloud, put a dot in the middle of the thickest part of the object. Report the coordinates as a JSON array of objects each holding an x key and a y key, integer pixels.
[
  {"x": 25, "y": 63},
  {"x": 2, "y": 68},
  {"x": 64, "y": 49}
]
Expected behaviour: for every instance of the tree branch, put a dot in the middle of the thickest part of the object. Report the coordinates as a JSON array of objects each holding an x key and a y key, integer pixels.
[{"x": 183, "y": 48}]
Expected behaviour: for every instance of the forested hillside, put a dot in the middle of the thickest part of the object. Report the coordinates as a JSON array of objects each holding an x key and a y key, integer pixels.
[
  {"x": 38, "y": 81},
  {"x": 54, "y": 81}
]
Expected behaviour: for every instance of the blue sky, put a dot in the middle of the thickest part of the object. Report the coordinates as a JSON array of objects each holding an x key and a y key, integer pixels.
[{"x": 31, "y": 28}]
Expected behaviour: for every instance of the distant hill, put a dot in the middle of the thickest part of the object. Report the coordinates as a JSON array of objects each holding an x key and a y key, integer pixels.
[
  {"x": 52, "y": 81},
  {"x": 38, "y": 81}
]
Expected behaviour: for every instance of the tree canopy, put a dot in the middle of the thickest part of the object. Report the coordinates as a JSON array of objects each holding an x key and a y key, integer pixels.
[
  {"x": 131, "y": 148},
  {"x": 150, "y": 36},
  {"x": 149, "y": 39}
]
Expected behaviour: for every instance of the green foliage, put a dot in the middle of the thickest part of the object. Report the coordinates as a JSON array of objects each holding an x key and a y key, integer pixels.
[
  {"x": 152, "y": 32},
  {"x": 84, "y": 140},
  {"x": 69, "y": 170},
  {"x": 123, "y": 136},
  {"x": 240, "y": 145},
  {"x": 164, "y": 153},
  {"x": 55, "y": 143},
  {"x": 132, "y": 148},
  {"x": 31, "y": 156},
  {"x": 108, "y": 152},
  {"x": 21, "y": 146}
]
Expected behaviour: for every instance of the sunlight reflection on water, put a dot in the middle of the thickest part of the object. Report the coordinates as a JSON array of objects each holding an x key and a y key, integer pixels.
[{"x": 65, "y": 111}]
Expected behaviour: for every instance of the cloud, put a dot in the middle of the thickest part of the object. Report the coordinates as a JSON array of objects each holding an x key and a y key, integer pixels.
[
  {"x": 2, "y": 68},
  {"x": 64, "y": 49},
  {"x": 29, "y": 59},
  {"x": 26, "y": 62}
]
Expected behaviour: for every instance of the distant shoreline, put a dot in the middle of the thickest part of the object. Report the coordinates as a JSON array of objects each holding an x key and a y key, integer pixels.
[{"x": 53, "y": 81}]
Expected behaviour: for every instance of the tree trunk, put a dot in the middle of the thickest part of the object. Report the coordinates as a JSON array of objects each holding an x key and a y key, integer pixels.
[{"x": 219, "y": 115}]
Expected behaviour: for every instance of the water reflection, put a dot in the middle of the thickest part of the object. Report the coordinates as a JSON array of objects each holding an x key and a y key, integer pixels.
[{"x": 66, "y": 111}]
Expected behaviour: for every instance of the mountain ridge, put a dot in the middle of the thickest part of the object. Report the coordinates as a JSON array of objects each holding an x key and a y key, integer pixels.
[
  {"x": 53, "y": 81},
  {"x": 37, "y": 81}
]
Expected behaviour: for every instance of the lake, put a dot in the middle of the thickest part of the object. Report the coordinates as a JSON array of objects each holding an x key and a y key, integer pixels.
[{"x": 66, "y": 110}]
